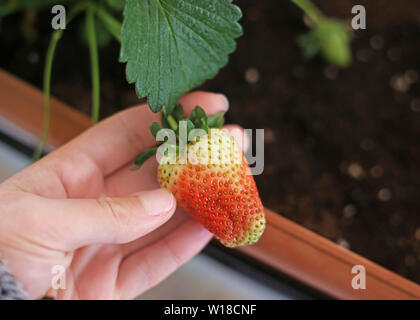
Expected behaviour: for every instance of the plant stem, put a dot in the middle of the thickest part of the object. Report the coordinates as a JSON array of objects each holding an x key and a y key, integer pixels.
[
  {"x": 47, "y": 81},
  {"x": 310, "y": 9},
  {"x": 172, "y": 122},
  {"x": 112, "y": 24},
  {"x": 47, "y": 92},
  {"x": 94, "y": 62}
]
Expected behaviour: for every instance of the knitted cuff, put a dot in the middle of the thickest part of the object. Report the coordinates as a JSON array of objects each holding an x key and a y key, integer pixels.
[{"x": 10, "y": 289}]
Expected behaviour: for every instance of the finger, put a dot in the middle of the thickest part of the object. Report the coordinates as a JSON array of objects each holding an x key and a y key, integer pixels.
[
  {"x": 210, "y": 102},
  {"x": 179, "y": 218},
  {"x": 118, "y": 139},
  {"x": 81, "y": 222},
  {"x": 91, "y": 264},
  {"x": 145, "y": 268},
  {"x": 113, "y": 141}
]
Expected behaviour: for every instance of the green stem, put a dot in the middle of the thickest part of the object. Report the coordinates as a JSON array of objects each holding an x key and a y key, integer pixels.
[
  {"x": 310, "y": 9},
  {"x": 47, "y": 81},
  {"x": 47, "y": 92},
  {"x": 112, "y": 24},
  {"x": 172, "y": 122},
  {"x": 94, "y": 63}
]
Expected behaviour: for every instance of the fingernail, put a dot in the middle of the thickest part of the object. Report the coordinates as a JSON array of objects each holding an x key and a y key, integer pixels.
[
  {"x": 225, "y": 101},
  {"x": 157, "y": 202}
]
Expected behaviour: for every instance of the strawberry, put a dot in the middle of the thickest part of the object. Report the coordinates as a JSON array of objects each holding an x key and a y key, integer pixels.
[{"x": 214, "y": 184}]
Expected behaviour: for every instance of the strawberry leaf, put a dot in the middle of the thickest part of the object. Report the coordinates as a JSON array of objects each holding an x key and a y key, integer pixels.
[
  {"x": 190, "y": 126},
  {"x": 142, "y": 157},
  {"x": 216, "y": 121},
  {"x": 173, "y": 46},
  {"x": 199, "y": 117},
  {"x": 165, "y": 122},
  {"x": 178, "y": 112},
  {"x": 219, "y": 122},
  {"x": 154, "y": 128}
]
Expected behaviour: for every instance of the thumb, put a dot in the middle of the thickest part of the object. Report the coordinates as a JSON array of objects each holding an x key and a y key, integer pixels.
[{"x": 82, "y": 222}]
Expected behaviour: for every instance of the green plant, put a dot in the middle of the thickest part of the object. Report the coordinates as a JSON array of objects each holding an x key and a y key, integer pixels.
[
  {"x": 328, "y": 36},
  {"x": 169, "y": 46}
]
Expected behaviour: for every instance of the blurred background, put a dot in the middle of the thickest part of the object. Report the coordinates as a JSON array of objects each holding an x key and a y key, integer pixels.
[{"x": 342, "y": 145}]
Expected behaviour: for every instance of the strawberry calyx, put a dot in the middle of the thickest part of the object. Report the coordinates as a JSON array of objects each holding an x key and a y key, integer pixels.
[{"x": 198, "y": 119}]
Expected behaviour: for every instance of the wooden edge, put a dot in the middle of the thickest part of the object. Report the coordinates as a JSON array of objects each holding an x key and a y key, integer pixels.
[
  {"x": 323, "y": 265},
  {"x": 23, "y": 105},
  {"x": 285, "y": 246}
]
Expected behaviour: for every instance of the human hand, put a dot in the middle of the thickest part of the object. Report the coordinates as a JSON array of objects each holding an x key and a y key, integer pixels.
[{"x": 82, "y": 208}]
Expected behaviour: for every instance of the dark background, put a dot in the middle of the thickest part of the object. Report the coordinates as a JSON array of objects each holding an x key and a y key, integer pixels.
[{"x": 342, "y": 147}]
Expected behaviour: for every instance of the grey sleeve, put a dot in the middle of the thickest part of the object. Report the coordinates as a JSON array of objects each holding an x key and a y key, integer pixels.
[{"x": 10, "y": 289}]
